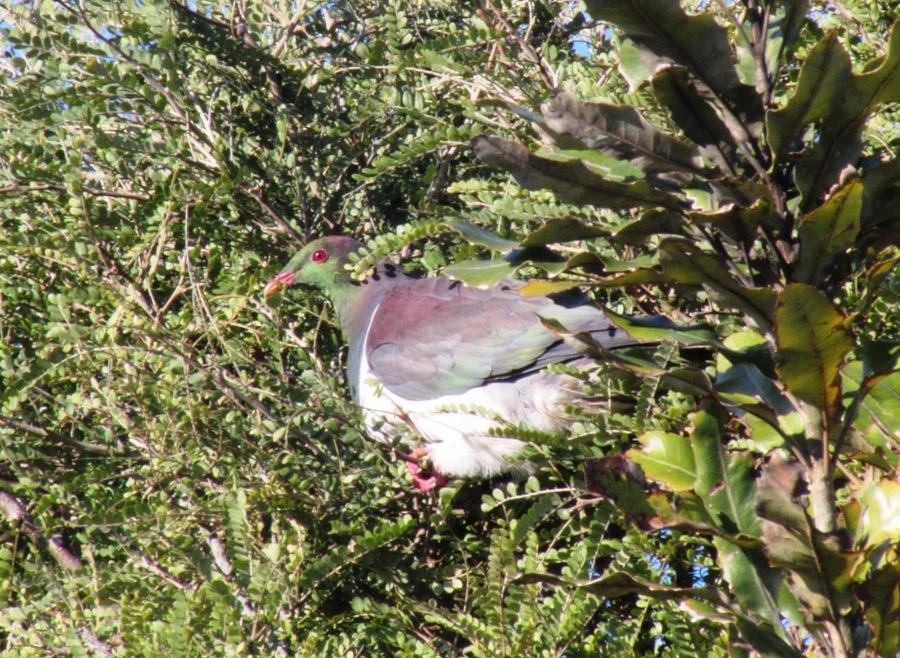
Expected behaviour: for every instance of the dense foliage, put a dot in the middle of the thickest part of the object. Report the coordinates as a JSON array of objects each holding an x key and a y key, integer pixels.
[{"x": 180, "y": 470}]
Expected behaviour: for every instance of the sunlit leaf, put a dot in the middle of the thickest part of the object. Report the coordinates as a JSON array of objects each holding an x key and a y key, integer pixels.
[
  {"x": 812, "y": 342},
  {"x": 666, "y": 458},
  {"x": 823, "y": 81},
  {"x": 881, "y": 511}
]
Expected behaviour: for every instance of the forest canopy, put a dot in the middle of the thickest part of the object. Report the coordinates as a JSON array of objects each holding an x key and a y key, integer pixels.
[{"x": 182, "y": 471}]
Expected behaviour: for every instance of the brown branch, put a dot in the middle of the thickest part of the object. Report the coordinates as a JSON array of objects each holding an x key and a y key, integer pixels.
[
  {"x": 13, "y": 510},
  {"x": 158, "y": 570},
  {"x": 87, "y": 446},
  {"x": 257, "y": 195},
  {"x": 289, "y": 29},
  {"x": 97, "y": 645},
  {"x": 16, "y": 187}
]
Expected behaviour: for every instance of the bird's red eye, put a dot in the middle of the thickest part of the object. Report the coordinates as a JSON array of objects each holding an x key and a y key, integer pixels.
[{"x": 319, "y": 256}]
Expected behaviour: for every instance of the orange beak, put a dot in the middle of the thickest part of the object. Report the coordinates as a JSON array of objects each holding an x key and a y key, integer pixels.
[{"x": 279, "y": 282}]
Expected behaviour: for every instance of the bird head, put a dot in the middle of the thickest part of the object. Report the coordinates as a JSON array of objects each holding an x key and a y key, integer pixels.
[{"x": 319, "y": 264}]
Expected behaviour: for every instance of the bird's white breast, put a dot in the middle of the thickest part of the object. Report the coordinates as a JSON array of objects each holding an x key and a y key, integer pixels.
[{"x": 455, "y": 427}]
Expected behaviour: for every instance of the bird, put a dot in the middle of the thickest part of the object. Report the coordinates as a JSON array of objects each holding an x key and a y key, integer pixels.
[{"x": 454, "y": 363}]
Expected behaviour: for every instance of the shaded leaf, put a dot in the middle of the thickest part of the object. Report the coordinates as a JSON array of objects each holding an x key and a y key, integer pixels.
[
  {"x": 650, "y": 224},
  {"x": 757, "y": 402},
  {"x": 571, "y": 181},
  {"x": 690, "y": 381},
  {"x": 682, "y": 262},
  {"x": 879, "y": 357},
  {"x": 882, "y": 84},
  {"x": 617, "y": 130},
  {"x": 877, "y": 273},
  {"x": 764, "y": 641},
  {"x": 638, "y": 277},
  {"x": 692, "y": 113},
  {"x": 755, "y": 583},
  {"x": 696, "y": 42},
  {"x": 881, "y": 205},
  {"x": 562, "y": 229},
  {"x": 788, "y": 18},
  {"x": 618, "y": 584},
  {"x": 828, "y": 230},
  {"x": 882, "y": 611},
  {"x": 738, "y": 222},
  {"x": 839, "y": 142}
]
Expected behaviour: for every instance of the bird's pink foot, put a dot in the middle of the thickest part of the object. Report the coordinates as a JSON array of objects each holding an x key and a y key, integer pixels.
[{"x": 425, "y": 476}]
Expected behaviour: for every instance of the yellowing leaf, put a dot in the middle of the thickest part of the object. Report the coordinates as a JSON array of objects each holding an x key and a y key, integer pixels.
[
  {"x": 812, "y": 340},
  {"x": 541, "y": 287}
]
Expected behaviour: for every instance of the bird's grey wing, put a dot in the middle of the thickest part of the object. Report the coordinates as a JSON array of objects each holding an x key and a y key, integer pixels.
[{"x": 437, "y": 337}]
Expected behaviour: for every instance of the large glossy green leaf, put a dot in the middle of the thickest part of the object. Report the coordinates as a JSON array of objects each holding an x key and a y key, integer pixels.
[
  {"x": 755, "y": 583},
  {"x": 828, "y": 230},
  {"x": 635, "y": 63},
  {"x": 480, "y": 236},
  {"x": 745, "y": 382},
  {"x": 724, "y": 481},
  {"x": 619, "y": 131},
  {"x": 489, "y": 272},
  {"x": 480, "y": 272},
  {"x": 562, "y": 229},
  {"x": 746, "y": 346},
  {"x": 609, "y": 167},
  {"x": 666, "y": 458},
  {"x": 571, "y": 181},
  {"x": 698, "y": 43},
  {"x": 759, "y": 404},
  {"x": 812, "y": 340},
  {"x": 659, "y": 328},
  {"x": 823, "y": 81}
]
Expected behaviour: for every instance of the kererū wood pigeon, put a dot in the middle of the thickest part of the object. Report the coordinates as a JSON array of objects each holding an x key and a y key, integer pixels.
[{"x": 448, "y": 360}]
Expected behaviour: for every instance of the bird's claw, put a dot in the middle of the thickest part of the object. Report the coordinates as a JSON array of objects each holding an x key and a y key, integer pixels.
[{"x": 425, "y": 477}]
